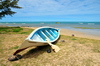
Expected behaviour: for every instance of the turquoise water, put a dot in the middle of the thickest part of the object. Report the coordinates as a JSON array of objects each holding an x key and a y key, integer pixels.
[{"x": 64, "y": 25}]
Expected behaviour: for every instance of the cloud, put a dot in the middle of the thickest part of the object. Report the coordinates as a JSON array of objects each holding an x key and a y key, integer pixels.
[{"x": 58, "y": 7}]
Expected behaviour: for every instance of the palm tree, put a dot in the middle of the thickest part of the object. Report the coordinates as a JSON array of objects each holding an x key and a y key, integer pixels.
[{"x": 5, "y": 7}]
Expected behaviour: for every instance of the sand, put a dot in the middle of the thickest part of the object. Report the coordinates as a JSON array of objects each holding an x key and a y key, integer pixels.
[
  {"x": 68, "y": 32},
  {"x": 78, "y": 34}
]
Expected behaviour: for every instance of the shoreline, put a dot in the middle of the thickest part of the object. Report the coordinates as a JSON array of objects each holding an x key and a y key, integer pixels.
[
  {"x": 78, "y": 34},
  {"x": 69, "y": 32}
]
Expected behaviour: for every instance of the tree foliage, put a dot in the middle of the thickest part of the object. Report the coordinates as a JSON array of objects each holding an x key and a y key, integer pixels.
[{"x": 6, "y": 6}]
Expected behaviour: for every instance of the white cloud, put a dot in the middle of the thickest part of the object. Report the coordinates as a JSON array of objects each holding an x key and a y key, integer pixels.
[{"x": 58, "y": 7}]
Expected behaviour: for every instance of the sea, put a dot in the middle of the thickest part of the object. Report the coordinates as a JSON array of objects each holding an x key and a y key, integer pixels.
[{"x": 91, "y": 27}]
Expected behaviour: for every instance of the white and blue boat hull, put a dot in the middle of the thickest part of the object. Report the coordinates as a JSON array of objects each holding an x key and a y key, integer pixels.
[
  {"x": 38, "y": 37},
  {"x": 42, "y": 33}
]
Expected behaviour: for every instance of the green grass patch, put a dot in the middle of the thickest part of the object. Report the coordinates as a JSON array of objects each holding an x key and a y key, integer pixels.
[
  {"x": 15, "y": 30},
  {"x": 1, "y": 50},
  {"x": 23, "y": 33},
  {"x": 26, "y": 31},
  {"x": 96, "y": 50},
  {"x": 6, "y": 30},
  {"x": 16, "y": 64},
  {"x": 73, "y": 39},
  {"x": 86, "y": 28},
  {"x": 82, "y": 42},
  {"x": 16, "y": 47}
]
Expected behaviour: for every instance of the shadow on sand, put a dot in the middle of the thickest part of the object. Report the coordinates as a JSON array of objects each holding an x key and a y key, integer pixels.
[{"x": 36, "y": 52}]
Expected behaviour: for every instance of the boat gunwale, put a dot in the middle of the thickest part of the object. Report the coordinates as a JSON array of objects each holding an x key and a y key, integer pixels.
[{"x": 30, "y": 40}]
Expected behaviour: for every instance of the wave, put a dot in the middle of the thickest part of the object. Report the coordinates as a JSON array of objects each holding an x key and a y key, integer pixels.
[{"x": 91, "y": 23}]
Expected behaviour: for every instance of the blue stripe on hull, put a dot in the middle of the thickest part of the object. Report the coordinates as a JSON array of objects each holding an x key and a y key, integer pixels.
[{"x": 41, "y": 34}]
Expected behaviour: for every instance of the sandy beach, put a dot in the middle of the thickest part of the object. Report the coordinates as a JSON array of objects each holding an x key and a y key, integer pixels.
[
  {"x": 77, "y": 51},
  {"x": 78, "y": 34},
  {"x": 68, "y": 32}
]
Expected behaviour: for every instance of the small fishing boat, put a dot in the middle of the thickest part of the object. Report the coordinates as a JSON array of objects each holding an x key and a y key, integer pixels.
[
  {"x": 39, "y": 37},
  {"x": 41, "y": 34}
]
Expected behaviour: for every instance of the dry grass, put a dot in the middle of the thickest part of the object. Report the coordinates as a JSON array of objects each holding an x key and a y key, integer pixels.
[{"x": 74, "y": 52}]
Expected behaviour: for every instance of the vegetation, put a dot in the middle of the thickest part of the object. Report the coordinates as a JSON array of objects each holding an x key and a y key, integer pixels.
[
  {"x": 6, "y": 6},
  {"x": 5, "y": 30},
  {"x": 74, "y": 51},
  {"x": 86, "y": 28},
  {"x": 14, "y": 30}
]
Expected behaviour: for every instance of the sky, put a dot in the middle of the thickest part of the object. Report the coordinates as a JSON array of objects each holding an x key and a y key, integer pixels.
[{"x": 56, "y": 10}]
